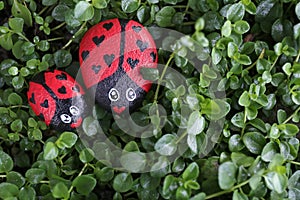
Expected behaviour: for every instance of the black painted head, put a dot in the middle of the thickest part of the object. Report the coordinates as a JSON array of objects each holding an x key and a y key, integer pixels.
[
  {"x": 118, "y": 93},
  {"x": 69, "y": 113}
]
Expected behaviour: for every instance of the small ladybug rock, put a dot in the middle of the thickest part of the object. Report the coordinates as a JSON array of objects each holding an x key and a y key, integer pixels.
[
  {"x": 111, "y": 55},
  {"x": 57, "y": 99}
]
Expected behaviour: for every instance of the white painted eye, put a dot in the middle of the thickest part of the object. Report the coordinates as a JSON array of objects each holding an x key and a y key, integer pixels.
[
  {"x": 74, "y": 110},
  {"x": 130, "y": 94},
  {"x": 113, "y": 94},
  {"x": 66, "y": 118}
]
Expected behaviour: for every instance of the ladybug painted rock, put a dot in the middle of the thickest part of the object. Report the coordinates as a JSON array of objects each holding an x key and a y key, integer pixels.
[
  {"x": 111, "y": 55},
  {"x": 57, "y": 99}
]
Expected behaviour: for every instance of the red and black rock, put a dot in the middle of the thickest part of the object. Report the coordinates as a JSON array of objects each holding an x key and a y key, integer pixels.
[
  {"x": 56, "y": 98},
  {"x": 111, "y": 55}
]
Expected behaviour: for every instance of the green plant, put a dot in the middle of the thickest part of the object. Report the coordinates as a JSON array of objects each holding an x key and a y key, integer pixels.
[{"x": 254, "y": 51}]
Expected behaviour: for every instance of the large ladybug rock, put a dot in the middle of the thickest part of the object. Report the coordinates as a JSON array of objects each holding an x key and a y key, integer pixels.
[
  {"x": 111, "y": 55},
  {"x": 56, "y": 98}
]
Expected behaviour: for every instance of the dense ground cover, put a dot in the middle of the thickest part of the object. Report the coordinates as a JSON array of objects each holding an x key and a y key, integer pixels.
[{"x": 245, "y": 100}]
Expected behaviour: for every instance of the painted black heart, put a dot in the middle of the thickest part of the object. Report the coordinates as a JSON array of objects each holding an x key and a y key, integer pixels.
[
  {"x": 109, "y": 59},
  {"x": 96, "y": 68},
  {"x": 62, "y": 90},
  {"x": 142, "y": 45},
  {"x": 62, "y": 76},
  {"x": 31, "y": 99},
  {"x": 45, "y": 104},
  {"x": 137, "y": 28},
  {"x": 153, "y": 56},
  {"x": 108, "y": 26},
  {"x": 85, "y": 54},
  {"x": 98, "y": 40},
  {"x": 132, "y": 62}
]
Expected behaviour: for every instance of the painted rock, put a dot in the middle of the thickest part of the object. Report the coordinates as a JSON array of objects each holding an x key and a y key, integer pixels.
[
  {"x": 111, "y": 55},
  {"x": 56, "y": 98}
]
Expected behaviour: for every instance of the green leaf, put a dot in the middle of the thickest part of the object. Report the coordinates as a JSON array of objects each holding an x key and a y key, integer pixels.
[
  {"x": 129, "y": 6},
  {"x": 276, "y": 181},
  {"x": 18, "y": 82},
  {"x": 16, "y": 24},
  {"x": 232, "y": 49},
  {"x": 122, "y": 182},
  {"x": 50, "y": 151},
  {"x": 166, "y": 145},
  {"x": 241, "y": 159},
  {"x": 244, "y": 99},
  {"x": 241, "y": 27},
  {"x": 216, "y": 56},
  {"x": 200, "y": 196},
  {"x": 90, "y": 126},
  {"x": 35, "y": 175},
  {"x": 83, "y": 11},
  {"x": 16, "y": 125},
  {"x": 8, "y": 191},
  {"x": 235, "y": 12},
  {"x": 226, "y": 29},
  {"x": 21, "y": 11},
  {"x": 196, "y": 123},
  {"x": 84, "y": 184},
  {"x": 6, "y": 41},
  {"x": 235, "y": 143},
  {"x": 294, "y": 180},
  {"x": 191, "y": 172},
  {"x": 148, "y": 182},
  {"x": 274, "y": 132},
  {"x": 151, "y": 74},
  {"x": 182, "y": 193},
  {"x": 226, "y": 175},
  {"x": 63, "y": 58},
  {"x": 1, "y": 5},
  {"x": 297, "y": 10},
  {"x": 269, "y": 151},
  {"x": 15, "y": 178},
  {"x": 164, "y": 16},
  {"x": 238, "y": 120},
  {"x": 133, "y": 161},
  {"x": 239, "y": 196},
  {"x": 27, "y": 193},
  {"x": 66, "y": 140},
  {"x": 86, "y": 155},
  {"x": 49, "y": 2},
  {"x": 254, "y": 141},
  {"x": 15, "y": 99},
  {"x": 215, "y": 109},
  {"x": 100, "y": 4},
  {"x": 105, "y": 174},
  {"x": 60, "y": 190},
  {"x": 6, "y": 162},
  {"x": 280, "y": 29},
  {"x": 59, "y": 12},
  {"x": 288, "y": 129}
]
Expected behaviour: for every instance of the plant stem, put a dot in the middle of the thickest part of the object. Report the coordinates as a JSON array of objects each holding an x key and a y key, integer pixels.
[
  {"x": 294, "y": 162},
  {"x": 261, "y": 55},
  {"x": 181, "y": 137},
  {"x": 80, "y": 173},
  {"x": 161, "y": 77},
  {"x": 75, "y": 35},
  {"x": 54, "y": 39},
  {"x": 227, "y": 191},
  {"x": 292, "y": 115},
  {"x": 298, "y": 56},
  {"x": 58, "y": 26}
]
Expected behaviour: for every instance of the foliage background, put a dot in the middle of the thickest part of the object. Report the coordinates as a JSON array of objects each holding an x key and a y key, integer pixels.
[{"x": 254, "y": 46}]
